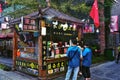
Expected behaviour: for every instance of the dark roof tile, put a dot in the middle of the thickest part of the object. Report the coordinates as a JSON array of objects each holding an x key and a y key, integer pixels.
[{"x": 55, "y": 13}]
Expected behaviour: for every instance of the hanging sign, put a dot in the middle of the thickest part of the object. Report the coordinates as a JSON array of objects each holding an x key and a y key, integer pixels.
[
  {"x": 88, "y": 28},
  {"x": 29, "y": 24},
  {"x": 66, "y": 29},
  {"x": 4, "y": 25},
  {"x": 64, "y": 26}
]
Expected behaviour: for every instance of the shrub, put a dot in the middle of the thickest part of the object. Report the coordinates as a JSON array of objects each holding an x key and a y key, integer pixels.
[
  {"x": 98, "y": 59},
  {"x": 109, "y": 54},
  {"x": 5, "y": 67}
]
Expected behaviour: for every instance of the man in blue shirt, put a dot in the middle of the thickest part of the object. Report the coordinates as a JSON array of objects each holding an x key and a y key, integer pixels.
[
  {"x": 73, "y": 53},
  {"x": 87, "y": 60}
]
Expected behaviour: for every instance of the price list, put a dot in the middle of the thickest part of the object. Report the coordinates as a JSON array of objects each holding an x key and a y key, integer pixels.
[{"x": 56, "y": 67}]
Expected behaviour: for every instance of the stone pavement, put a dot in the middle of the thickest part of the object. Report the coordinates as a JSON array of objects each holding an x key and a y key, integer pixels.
[
  {"x": 105, "y": 71},
  {"x": 6, "y": 61},
  {"x": 14, "y": 75}
]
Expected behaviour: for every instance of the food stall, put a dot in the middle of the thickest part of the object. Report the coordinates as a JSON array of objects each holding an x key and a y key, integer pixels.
[
  {"x": 40, "y": 45},
  {"x": 6, "y": 35}
]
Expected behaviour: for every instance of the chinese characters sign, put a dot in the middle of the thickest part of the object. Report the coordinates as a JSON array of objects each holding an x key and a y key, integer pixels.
[
  {"x": 56, "y": 67},
  {"x": 27, "y": 67},
  {"x": 29, "y": 24}
]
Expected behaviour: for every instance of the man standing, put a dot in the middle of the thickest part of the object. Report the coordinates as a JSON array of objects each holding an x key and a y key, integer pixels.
[
  {"x": 73, "y": 53},
  {"x": 87, "y": 60}
]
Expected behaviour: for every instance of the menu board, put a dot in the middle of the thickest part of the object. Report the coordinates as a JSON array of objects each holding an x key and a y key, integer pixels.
[
  {"x": 56, "y": 67},
  {"x": 27, "y": 67}
]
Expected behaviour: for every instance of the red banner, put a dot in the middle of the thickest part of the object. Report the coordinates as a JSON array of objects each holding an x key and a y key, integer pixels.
[
  {"x": 0, "y": 8},
  {"x": 94, "y": 14}
]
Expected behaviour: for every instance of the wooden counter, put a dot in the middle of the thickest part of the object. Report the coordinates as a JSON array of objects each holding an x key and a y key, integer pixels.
[{"x": 56, "y": 67}]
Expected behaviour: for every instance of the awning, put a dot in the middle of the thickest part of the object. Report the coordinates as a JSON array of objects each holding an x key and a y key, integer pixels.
[
  {"x": 3, "y": 35},
  {"x": 10, "y": 35}
]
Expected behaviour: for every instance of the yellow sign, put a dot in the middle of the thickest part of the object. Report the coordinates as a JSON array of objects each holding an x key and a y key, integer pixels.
[{"x": 32, "y": 65}]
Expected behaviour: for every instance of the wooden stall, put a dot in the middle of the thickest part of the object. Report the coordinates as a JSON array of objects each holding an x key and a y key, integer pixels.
[
  {"x": 40, "y": 45},
  {"x": 6, "y": 36}
]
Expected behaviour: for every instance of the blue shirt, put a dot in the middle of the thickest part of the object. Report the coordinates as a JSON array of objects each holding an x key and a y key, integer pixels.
[
  {"x": 87, "y": 57},
  {"x": 75, "y": 62}
]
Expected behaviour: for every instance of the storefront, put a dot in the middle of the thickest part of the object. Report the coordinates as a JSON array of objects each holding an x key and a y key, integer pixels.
[
  {"x": 6, "y": 35},
  {"x": 40, "y": 45}
]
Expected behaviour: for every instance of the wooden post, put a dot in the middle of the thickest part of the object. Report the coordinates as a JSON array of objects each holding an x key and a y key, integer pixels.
[
  {"x": 79, "y": 33},
  {"x": 14, "y": 50},
  {"x": 42, "y": 73}
]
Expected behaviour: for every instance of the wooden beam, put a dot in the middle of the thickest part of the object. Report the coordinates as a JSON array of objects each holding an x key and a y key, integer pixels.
[
  {"x": 15, "y": 47},
  {"x": 42, "y": 73}
]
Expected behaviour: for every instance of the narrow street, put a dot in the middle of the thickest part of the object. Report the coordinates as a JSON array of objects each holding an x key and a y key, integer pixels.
[{"x": 105, "y": 71}]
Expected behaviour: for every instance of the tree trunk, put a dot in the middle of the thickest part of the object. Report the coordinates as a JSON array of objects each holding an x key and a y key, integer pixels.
[{"x": 102, "y": 28}]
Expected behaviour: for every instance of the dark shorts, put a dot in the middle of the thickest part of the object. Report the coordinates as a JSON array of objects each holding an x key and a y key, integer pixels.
[{"x": 86, "y": 71}]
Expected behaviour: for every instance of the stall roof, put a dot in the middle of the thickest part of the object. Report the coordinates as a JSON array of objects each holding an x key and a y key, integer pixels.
[{"x": 52, "y": 12}]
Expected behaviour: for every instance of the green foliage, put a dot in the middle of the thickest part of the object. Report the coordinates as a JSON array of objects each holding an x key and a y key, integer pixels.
[
  {"x": 99, "y": 59},
  {"x": 29, "y": 7},
  {"x": 107, "y": 13},
  {"x": 70, "y": 7},
  {"x": 80, "y": 8},
  {"x": 4, "y": 67},
  {"x": 109, "y": 54}
]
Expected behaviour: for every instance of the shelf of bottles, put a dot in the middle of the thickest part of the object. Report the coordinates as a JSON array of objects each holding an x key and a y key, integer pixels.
[{"x": 27, "y": 53}]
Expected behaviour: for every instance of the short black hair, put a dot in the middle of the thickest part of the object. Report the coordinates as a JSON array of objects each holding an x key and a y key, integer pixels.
[
  {"x": 74, "y": 41},
  {"x": 86, "y": 44}
]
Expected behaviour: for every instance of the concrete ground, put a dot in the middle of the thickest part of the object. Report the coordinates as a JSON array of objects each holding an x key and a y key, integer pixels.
[{"x": 105, "y": 71}]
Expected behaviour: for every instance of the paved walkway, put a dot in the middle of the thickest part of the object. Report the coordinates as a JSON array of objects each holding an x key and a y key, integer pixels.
[
  {"x": 14, "y": 75},
  {"x": 6, "y": 61},
  {"x": 105, "y": 71}
]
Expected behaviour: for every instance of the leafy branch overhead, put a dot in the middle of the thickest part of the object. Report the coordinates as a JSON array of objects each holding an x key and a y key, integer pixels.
[
  {"x": 69, "y": 7},
  {"x": 25, "y": 7},
  {"x": 74, "y": 8}
]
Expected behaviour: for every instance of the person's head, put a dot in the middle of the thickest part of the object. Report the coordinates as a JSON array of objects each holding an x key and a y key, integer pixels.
[
  {"x": 86, "y": 45},
  {"x": 74, "y": 41}
]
